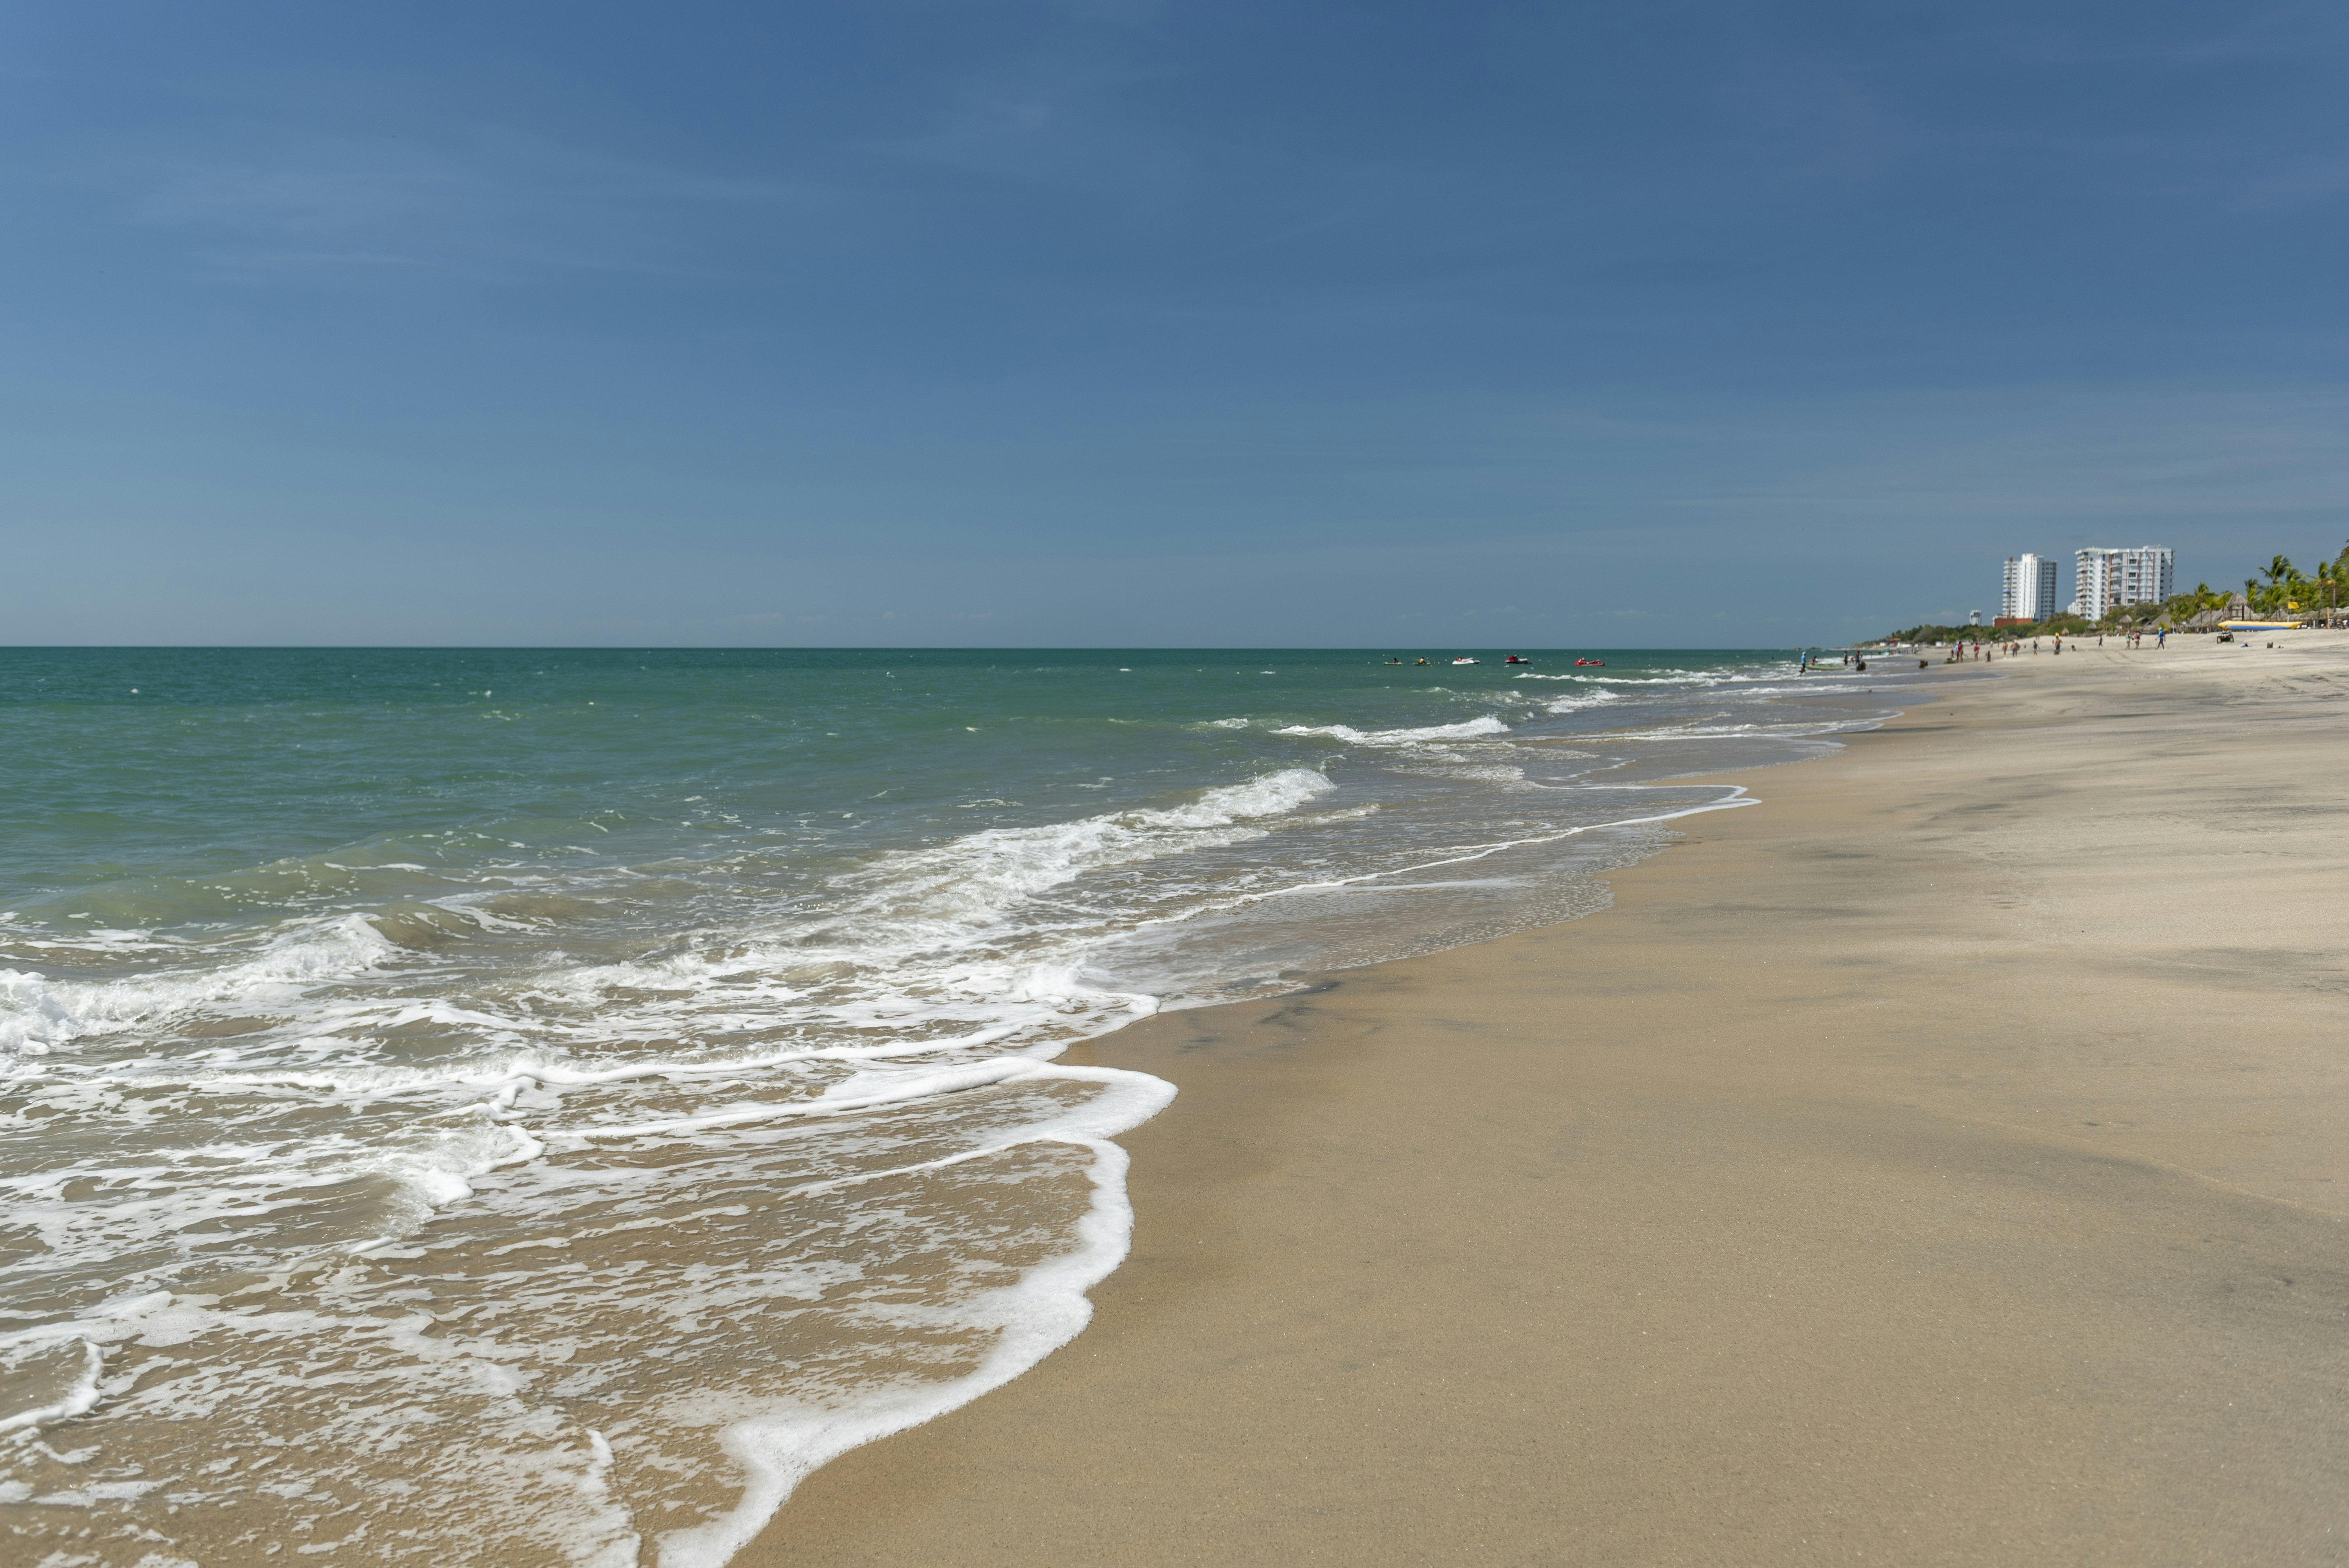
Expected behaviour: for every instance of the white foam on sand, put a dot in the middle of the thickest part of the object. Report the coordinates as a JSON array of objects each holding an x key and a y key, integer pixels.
[
  {"x": 1044, "y": 1310},
  {"x": 542, "y": 1474},
  {"x": 263, "y": 1117}
]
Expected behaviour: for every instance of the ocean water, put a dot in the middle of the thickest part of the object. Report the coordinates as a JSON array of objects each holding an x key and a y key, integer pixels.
[{"x": 533, "y": 1106}]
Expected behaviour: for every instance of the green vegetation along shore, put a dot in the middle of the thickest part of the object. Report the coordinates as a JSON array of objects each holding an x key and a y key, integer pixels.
[{"x": 2279, "y": 589}]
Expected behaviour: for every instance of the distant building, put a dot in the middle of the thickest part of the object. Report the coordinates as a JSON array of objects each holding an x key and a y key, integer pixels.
[
  {"x": 2105, "y": 579},
  {"x": 2148, "y": 574},
  {"x": 2096, "y": 579},
  {"x": 2029, "y": 594}
]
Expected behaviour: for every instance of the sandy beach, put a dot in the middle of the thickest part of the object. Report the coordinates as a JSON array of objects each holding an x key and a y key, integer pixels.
[{"x": 1942, "y": 1161}]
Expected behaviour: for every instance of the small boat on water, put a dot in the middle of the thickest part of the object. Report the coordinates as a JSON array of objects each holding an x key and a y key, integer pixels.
[
  {"x": 1463, "y": 661},
  {"x": 1594, "y": 664},
  {"x": 1513, "y": 659}
]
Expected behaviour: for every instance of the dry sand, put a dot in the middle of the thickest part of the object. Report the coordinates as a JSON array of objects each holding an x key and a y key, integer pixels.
[{"x": 1942, "y": 1163}]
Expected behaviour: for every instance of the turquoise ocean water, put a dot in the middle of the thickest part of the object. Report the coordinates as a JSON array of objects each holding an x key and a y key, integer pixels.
[{"x": 532, "y": 1106}]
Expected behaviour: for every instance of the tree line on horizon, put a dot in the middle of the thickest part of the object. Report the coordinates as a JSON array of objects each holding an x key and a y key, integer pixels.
[{"x": 2278, "y": 589}]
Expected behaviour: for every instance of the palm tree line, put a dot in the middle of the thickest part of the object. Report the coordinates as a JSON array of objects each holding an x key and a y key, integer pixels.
[{"x": 2279, "y": 589}]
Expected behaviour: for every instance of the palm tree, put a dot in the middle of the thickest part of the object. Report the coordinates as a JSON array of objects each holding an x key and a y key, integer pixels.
[{"x": 2280, "y": 570}]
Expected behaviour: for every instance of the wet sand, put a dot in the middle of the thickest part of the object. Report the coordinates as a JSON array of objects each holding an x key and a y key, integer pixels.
[{"x": 1944, "y": 1161}]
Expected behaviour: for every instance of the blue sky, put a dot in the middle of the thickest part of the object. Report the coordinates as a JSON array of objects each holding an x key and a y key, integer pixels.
[{"x": 1120, "y": 322}]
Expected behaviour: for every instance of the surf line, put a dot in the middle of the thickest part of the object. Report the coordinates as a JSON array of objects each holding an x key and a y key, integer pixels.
[
  {"x": 1738, "y": 798},
  {"x": 918, "y": 1087},
  {"x": 778, "y": 1449}
]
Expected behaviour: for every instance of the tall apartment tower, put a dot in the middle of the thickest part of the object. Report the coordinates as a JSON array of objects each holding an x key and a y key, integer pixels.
[
  {"x": 2105, "y": 579},
  {"x": 2029, "y": 594},
  {"x": 2148, "y": 574}
]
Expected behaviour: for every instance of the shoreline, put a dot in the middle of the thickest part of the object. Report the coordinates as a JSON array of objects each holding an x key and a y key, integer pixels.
[{"x": 1890, "y": 1174}]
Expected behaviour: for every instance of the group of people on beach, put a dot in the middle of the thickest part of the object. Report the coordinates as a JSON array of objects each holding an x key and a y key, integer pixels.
[
  {"x": 2011, "y": 648},
  {"x": 1960, "y": 650}
]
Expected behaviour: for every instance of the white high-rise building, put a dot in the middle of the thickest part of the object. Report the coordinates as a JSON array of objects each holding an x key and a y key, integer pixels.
[
  {"x": 2096, "y": 578},
  {"x": 2105, "y": 579},
  {"x": 2148, "y": 574},
  {"x": 2029, "y": 594}
]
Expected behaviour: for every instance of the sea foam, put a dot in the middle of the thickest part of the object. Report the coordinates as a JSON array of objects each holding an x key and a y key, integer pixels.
[
  {"x": 668, "y": 1144},
  {"x": 1472, "y": 729}
]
